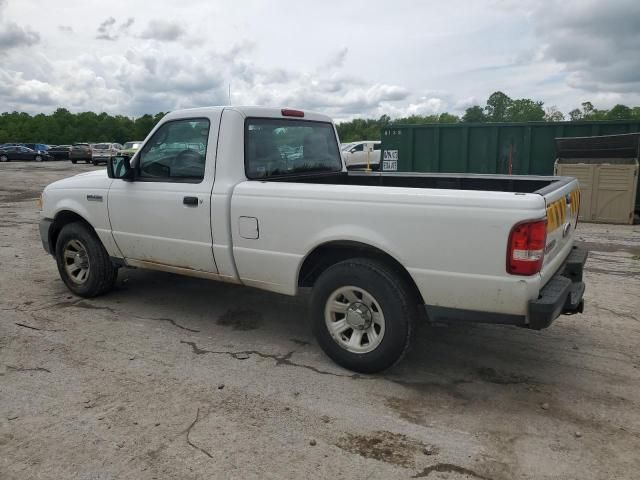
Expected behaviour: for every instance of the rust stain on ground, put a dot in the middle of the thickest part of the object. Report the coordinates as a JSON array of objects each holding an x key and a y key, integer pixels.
[
  {"x": 388, "y": 447},
  {"x": 241, "y": 319}
]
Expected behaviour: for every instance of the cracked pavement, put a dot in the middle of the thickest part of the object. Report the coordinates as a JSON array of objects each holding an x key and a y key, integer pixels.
[{"x": 174, "y": 377}]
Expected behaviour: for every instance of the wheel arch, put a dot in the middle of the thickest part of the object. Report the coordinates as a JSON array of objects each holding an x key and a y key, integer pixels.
[
  {"x": 62, "y": 218},
  {"x": 327, "y": 254}
]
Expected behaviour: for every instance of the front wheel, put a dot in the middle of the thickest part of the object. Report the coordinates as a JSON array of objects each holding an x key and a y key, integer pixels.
[
  {"x": 74, "y": 161},
  {"x": 364, "y": 314},
  {"x": 4, "y": 158},
  {"x": 83, "y": 263},
  {"x": 38, "y": 158}
]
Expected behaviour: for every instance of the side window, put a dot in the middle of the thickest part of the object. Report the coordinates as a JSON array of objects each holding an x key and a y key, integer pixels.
[
  {"x": 358, "y": 148},
  {"x": 176, "y": 152},
  {"x": 376, "y": 146}
]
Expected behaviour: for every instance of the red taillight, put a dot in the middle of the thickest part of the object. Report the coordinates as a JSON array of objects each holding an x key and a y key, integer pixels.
[
  {"x": 525, "y": 252},
  {"x": 287, "y": 112}
]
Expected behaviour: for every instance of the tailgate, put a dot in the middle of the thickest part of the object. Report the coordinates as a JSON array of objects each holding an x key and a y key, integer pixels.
[{"x": 562, "y": 205}]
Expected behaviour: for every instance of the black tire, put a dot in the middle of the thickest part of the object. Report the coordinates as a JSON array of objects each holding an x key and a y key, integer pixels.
[
  {"x": 396, "y": 299},
  {"x": 102, "y": 273},
  {"x": 95, "y": 164},
  {"x": 74, "y": 161}
]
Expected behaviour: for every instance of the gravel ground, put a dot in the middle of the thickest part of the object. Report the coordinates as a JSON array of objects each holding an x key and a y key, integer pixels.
[{"x": 173, "y": 377}]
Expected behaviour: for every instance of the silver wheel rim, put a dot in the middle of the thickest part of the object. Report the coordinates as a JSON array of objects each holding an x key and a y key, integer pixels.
[
  {"x": 38, "y": 158},
  {"x": 76, "y": 261},
  {"x": 4, "y": 158},
  {"x": 354, "y": 319}
]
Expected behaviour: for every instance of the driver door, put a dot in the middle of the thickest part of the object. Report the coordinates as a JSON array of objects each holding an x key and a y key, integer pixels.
[
  {"x": 162, "y": 217},
  {"x": 23, "y": 153}
]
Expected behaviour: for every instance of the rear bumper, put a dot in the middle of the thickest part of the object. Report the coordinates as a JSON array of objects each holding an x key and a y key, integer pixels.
[
  {"x": 45, "y": 228},
  {"x": 562, "y": 294}
]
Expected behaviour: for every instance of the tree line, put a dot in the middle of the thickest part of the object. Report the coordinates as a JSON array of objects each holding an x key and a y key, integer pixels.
[
  {"x": 63, "y": 127},
  {"x": 498, "y": 108}
]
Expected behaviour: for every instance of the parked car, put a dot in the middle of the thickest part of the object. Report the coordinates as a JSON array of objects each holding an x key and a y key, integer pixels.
[
  {"x": 22, "y": 153},
  {"x": 211, "y": 195},
  {"x": 80, "y": 152},
  {"x": 102, "y": 152},
  {"x": 60, "y": 152},
  {"x": 355, "y": 154},
  {"x": 38, "y": 147},
  {"x": 130, "y": 148}
]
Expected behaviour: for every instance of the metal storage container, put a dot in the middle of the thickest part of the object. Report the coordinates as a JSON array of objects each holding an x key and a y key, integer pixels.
[
  {"x": 517, "y": 148},
  {"x": 607, "y": 169}
]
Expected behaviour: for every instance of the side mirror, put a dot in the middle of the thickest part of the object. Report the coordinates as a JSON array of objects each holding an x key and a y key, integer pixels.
[{"x": 120, "y": 167}]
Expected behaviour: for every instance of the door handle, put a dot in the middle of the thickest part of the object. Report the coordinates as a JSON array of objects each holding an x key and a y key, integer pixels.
[{"x": 191, "y": 201}]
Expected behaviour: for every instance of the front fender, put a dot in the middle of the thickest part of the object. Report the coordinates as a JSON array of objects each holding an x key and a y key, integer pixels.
[{"x": 90, "y": 207}]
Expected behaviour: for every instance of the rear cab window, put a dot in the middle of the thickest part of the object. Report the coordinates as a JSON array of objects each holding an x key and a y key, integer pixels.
[{"x": 279, "y": 147}]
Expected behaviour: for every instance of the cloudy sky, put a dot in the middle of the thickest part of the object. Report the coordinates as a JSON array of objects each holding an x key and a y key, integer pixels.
[{"x": 346, "y": 58}]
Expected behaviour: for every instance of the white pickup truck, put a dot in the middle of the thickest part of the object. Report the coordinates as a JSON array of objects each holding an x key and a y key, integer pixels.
[
  {"x": 261, "y": 197},
  {"x": 360, "y": 155}
]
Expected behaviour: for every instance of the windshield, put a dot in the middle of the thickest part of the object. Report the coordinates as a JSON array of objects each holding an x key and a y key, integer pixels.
[
  {"x": 131, "y": 145},
  {"x": 275, "y": 147}
]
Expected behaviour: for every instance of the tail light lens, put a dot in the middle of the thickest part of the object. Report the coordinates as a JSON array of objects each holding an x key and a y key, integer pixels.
[
  {"x": 288, "y": 112},
  {"x": 525, "y": 252}
]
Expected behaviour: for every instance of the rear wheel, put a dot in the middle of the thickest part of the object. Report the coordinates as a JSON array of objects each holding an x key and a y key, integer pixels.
[
  {"x": 83, "y": 263},
  {"x": 74, "y": 161},
  {"x": 364, "y": 314}
]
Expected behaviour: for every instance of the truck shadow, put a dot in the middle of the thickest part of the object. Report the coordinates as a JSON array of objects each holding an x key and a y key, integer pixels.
[
  {"x": 461, "y": 375},
  {"x": 452, "y": 355}
]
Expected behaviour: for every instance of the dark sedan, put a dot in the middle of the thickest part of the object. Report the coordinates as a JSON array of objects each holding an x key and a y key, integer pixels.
[
  {"x": 17, "y": 152},
  {"x": 60, "y": 152}
]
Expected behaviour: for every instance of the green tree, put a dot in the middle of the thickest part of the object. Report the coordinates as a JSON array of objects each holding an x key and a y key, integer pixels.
[
  {"x": 448, "y": 118},
  {"x": 525, "y": 110},
  {"x": 498, "y": 104},
  {"x": 575, "y": 114},
  {"x": 474, "y": 114},
  {"x": 587, "y": 109},
  {"x": 619, "y": 112},
  {"x": 552, "y": 114}
]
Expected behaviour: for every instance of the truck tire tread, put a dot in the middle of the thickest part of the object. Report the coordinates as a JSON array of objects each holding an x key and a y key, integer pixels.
[
  {"x": 399, "y": 304},
  {"x": 102, "y": 273}
]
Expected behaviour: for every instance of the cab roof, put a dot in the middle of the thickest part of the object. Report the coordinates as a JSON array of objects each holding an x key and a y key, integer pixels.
[{"x": 250, "y": 111}]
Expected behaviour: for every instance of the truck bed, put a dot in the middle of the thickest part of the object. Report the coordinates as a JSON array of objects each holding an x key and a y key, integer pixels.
[{"x": 490, "y": 183}]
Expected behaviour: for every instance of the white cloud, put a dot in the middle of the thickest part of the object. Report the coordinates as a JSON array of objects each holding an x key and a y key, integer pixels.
[
  {"x": 164, "y": 31},
  {"x": 12, "y": 35},
  {"x": 359, "y": 63},
  {"x": 107, "y": 30}
]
